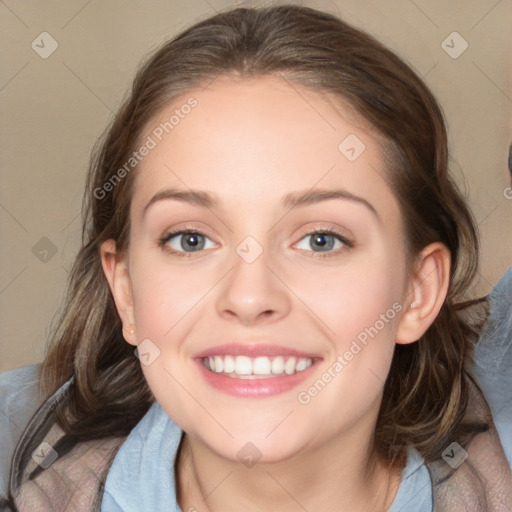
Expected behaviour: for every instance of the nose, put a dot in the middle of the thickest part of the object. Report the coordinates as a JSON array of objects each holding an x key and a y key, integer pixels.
[{"x": 253, "y": 293}]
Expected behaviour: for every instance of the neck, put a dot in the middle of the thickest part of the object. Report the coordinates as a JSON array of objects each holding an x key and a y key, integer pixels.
[{"x": 345, "y": 475}]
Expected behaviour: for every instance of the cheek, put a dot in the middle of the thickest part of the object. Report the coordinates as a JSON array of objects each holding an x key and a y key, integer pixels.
[
  {"x": 351, "y": 382},
  {"x": 349, "y": 299},
  {"x": 163, "y": 296},
  {"x": 360, "y": 307}
]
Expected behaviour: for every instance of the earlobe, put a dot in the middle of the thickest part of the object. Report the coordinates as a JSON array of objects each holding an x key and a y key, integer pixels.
[
  {"x": 427, "y": 293},
  {"x": 117, "y": 275}
]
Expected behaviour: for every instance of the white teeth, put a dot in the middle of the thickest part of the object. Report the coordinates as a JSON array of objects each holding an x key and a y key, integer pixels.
[
  {"x": 278, "y": 365},
  {"x": 219, "y": 364},
  {"x": 261, "y": 366},
  {"x": 243, "y": 365},
  {"x": 301, "y": 364},
  {"x": 229, "y": 364},
  {"x": 289, "y": 366},
  {"x": 246, "y": 367}
]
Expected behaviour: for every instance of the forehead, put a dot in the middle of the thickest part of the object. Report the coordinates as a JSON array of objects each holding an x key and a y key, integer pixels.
[{"x": 256, "y": 139}]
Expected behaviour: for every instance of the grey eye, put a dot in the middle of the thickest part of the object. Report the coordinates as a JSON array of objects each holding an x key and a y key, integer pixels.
[
  {"x": 187, "y": 241},
  {"x": 321, "y": 241}
]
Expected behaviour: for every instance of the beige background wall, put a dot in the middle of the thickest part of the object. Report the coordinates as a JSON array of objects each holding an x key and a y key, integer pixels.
[{"x": 54, "y": 109}]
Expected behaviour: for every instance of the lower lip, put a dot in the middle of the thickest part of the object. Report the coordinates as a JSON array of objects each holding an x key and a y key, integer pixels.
[{"x": 254, "y": 387}]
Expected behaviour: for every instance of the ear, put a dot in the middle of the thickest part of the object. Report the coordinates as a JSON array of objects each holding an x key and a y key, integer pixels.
[
  {"x": 426, "y": 294},
  {"x": 116, "y": 271}
]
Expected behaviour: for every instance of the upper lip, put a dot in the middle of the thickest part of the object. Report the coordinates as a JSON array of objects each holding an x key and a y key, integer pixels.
[{"x": 254, "y": 350}]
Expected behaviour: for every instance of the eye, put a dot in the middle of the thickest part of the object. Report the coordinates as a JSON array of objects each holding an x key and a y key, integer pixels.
[
  {"x": 185, "y": 241},
  {"x": 324, "y": 240}
]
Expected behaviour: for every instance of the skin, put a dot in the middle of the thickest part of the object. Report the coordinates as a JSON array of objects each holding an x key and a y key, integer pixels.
[{"x": 250, "y": 142}]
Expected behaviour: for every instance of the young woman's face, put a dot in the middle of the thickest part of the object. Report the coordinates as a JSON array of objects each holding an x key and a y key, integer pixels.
[{"x": 294, "y": 297}]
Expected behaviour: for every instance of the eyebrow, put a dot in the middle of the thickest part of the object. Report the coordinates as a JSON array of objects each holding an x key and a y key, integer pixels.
[
  {"x": 194, "y": 197},
  {"x": 307, "y": 197},
  {"x": 290, "y": 200}
]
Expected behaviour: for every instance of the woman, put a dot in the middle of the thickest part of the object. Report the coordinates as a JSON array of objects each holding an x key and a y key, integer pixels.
[{"x": 270, "y": 227}]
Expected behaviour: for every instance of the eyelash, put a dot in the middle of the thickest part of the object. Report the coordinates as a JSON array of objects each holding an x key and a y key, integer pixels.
[{"x": 344, "y": 240}]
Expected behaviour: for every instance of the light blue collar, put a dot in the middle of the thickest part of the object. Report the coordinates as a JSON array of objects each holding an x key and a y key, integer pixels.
[
  {"x": 415, "y": 491},
  {"x": 142, "y": 474}
]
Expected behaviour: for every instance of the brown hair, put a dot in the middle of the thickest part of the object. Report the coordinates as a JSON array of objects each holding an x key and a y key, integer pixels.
[{"x": 426, "y": 392}]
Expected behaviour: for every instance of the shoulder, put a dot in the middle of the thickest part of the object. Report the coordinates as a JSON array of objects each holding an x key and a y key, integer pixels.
[
  {"x": 14, "y": 381},
  {"x": 50, "y": 466},
  {"x": 19, "y": 400},
  {"x": 493, "y": 360}
]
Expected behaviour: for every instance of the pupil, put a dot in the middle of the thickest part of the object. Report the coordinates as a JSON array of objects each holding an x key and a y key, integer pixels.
[
  {"x": 321, "y": 242},
  {"x": 192, "y": 240}
]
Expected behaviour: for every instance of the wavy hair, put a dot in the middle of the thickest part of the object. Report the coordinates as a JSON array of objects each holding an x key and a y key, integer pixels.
[{"x": 426, "y": 393}]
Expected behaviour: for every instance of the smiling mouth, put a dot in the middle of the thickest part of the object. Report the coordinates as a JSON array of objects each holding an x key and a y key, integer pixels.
[{"x": 244, "y": 367}]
